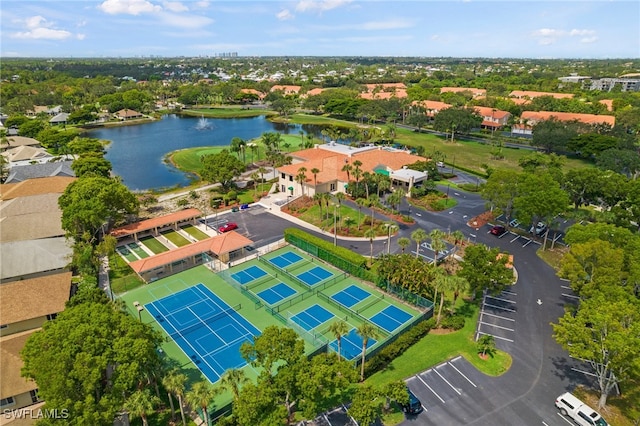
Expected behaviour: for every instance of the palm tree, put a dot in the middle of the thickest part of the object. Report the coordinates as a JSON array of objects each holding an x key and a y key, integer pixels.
[
  {"x": 340, "y": 198},
  {"x": 419, "y": 235},
  {"x": 339, "y": 328},
  {"x": 174, "y": 383},
  {"x": 404, "y": 242},
  {"x": 384, "y": 184},
  {"x": 395, "y": 198},
  {"x": 366, "y": 331},
  {"x": 361, "y": 202},
  {"x": 347, "y": 169},
  {"x": 200, "y": 396},
  {"x": 254, "y": 178},
  {"x": 374, "y": 201},
  {"x": 236, "y": 147},
  {"x": 232, "y": 379},
  {"x": 458, "y": 238},
  {"x": 301, "y": 177},
  {"x": 254, "y": 148},
  {"x": 348, "y": 222},
  {"x": 301, "y": 133},
  {"x": 370, "y": 234},
  {"x": 391, "y": 228},
  {"x": 315, "y": 172},
  {"x": 262, "y": 171},
  {"x": 458, "y": 285},
  {"x": 141, "y": 403},
  {"x": 357, "y": 172},
  {"x": 437, "y": 243},
  {"x": 486, "y": 344},
  {"x": 318, "y": 199}
]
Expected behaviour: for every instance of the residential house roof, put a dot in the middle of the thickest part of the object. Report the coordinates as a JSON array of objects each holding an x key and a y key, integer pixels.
[
  {"x": 128, "y": 113},
  {"x": 531, "y": 94},
  {"x": 432, "y": 107},
  {"x": 287, "y": 89},
  {"x": 608, "y": 103},
  {"x": 11, "y": 364},
  {"x": 384, "y": 91},
  {"x": 30, "y": 218},
  {"x": 15, "y": 141},
  {"x": 400, "y": 94},
  {"x": 60, "y": 118},
  {"x": 156, "y": 222},
  {"x": 45, "y": 185},
  {"x": 34, "y": 298},
  {"x": 258, "y": 93},
  {"x": 34, "y": 171},
  {"x": 223, "y": 243},
  {"x": 25, "y": 153},
  {"x": 492, "y": 112},
  {"x": 475, "y": 92},
  {"x": 535, "y": 116},
  {"x": 22, "y": 258},
  {"x": 387, "y": 87},
  {"x": 330, "y": 163},
  {"x": 314, "y": 92}
]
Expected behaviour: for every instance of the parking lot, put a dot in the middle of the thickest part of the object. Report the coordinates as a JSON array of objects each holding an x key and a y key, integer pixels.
[
  {"x": 498, "y": 318},
  {"x": 428, "y": 254}
]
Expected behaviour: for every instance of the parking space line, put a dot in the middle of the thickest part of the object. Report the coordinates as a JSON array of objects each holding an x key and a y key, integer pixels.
[
  {"x": 429, "y": 387},
  {"x": 446, "y": 381},
  {"x": 497, "y": 337},
  {"x": 460, "y": 372},
  {"x": 527, "y": 243},
  {"x": 565, "y": 287},
  {"x": 563, "y": 418},
  {"x": 510, "y": 293},
  {"x": 502, "y": 300},
  {"x": 515, "y": 239},
  {"x": 499, "y": 307},
  {"x": 497, "y": 326},
  {"x": 498, "y": 316},
  {"x": 571, "y": 296}
]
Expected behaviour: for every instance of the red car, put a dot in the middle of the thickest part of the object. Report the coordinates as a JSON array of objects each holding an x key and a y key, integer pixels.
[
  {"x": 498, "y": 230},
  {"x": 229, "y": 226}
]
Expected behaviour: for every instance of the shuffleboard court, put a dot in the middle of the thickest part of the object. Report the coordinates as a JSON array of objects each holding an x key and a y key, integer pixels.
[{"x": 390, "y": 318}]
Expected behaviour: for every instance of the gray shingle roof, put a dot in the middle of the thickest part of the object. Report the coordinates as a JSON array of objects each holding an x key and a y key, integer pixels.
[{"x": 32, "y": 171}]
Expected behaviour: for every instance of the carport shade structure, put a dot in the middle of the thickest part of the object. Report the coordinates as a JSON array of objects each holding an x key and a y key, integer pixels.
[{"x": 133, "y": 229}]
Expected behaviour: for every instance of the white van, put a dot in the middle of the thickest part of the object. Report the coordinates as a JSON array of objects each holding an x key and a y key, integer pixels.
[{"x": 581, "y": 413}]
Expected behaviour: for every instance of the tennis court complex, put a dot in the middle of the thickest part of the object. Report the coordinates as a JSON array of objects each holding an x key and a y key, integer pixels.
[{"x": 209, "y": 331}]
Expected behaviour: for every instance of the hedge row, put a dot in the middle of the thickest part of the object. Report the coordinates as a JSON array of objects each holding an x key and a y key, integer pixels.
[
  {"x": 390, "y": 352},
  {"x": 291, "y": 234}
]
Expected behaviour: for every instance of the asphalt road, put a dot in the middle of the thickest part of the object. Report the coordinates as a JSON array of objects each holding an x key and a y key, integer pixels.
[{"x": 454, "y": 393}]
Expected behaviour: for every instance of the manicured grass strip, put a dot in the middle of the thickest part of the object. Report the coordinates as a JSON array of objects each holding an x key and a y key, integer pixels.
[
  {"x": 176, "y": 238},
  {"x": 124, "y": 251},
  {"x": 138, "y": 250},
  {"x": 121, "y": 276},
  {"x": 195, "y": 232},
  {"x": 434, "y": 349},
  {"x": 154, "y": 245}
]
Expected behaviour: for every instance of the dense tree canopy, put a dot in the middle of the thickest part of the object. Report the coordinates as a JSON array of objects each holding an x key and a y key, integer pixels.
[{"x": 221, "y": 168}]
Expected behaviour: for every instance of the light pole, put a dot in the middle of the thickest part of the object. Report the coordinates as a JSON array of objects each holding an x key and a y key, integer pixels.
[
  {"x": 140, "y": 308},
  {"x": 335, "y": 225}
]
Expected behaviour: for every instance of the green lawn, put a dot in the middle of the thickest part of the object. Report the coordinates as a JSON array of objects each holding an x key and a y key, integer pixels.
[
  {"x": 153, "y": 244},
  {"x": 471, "y": 155},
  {"x": 195, "y": 232},
  {"x": 176, "y": 238},
  {"x": 121, "y": 276},
  {"x": 434, "y": 349},
  {"x": 135, "y": 247}
]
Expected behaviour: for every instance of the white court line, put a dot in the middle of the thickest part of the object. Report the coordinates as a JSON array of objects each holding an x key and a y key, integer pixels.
[
  {"x": 498, "y": 316},
  {"x": 500, "y": 307},
  {"x": 446, "y": 381},
  {"x": 510, "y": 293},
  {"x": 460, "y": 372},
  {"x": 497, "y": 326},
  {"x": 502, "y": 300},
  {"x": 570, "y": 295},
  {"x": 563, "y": 418},
  {"x": 429, "y": 387},
  {"x": 497, "y": 337}
]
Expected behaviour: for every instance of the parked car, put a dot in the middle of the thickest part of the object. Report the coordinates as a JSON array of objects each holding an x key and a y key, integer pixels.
[
  {"x": 229, "y": 226},
  {"x": 577, "y": 410},
  {"x": 538, "y": 229},
  {"x": 414, "y": 406},
  {"x": 498, "y": 230},
  {"x": 244, "y": 206}
]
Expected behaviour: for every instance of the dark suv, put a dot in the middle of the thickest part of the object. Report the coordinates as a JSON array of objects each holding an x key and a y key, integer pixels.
[{"x": 414, "y": 406}]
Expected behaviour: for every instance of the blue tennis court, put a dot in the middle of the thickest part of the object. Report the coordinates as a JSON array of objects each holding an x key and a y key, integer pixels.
[
  {"x": 278, "y": 292},
  {"x": 391, "y": 318},
  {"x": 285, "y": 259},
  {"x": 315, "y": 275},
  {"x": 350, "y": 296},
  {"x": 312, "y": 317},
  {"x": 247, "y": 275},
  {"x": 351, "y": 345},
  {"x": 208, "y": 331}
]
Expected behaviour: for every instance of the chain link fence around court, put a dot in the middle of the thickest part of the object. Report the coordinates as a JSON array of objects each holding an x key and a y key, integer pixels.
[{"x": 360, "y": 272}]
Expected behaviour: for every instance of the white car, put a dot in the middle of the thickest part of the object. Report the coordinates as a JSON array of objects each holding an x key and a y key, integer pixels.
[
  {"x": 539, "y": 229},
  {"x": 580, "y": 412}
]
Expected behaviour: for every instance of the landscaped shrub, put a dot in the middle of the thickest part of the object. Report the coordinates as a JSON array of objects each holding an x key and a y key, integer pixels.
[
  {"x": 471, "y": 187},
  {"x": 454, "y": 322},
  {"x": 294, "y": 235},
  {"x": 393, "y": 350}
]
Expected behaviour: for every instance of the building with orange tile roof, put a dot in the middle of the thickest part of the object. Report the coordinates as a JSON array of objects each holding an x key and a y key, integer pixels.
[
  {"x": 286, "y": 89},
  {"x": 330, "y": 160},
  {"x": 384, "y": 91},
  {"x": 221, "y": 248},
  {"x": 258, "y": 93},
  {"x": 157, "y": 223},
  {"x": 534, "y": 117},
  {"x": 528, "y": 94},
  {"x": 493, "y": 118},
  {"x": 608, "y": 103},
  {"x": 314, "y": 92},
  {"x": 475, "y": 92},
  {"x": 431, "y": 107}
]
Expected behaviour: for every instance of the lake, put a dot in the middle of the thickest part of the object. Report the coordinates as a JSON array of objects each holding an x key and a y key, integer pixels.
[{"x": 137, "y": 152}]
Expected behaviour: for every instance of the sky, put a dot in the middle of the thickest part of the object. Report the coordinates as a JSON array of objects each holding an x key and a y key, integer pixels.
[{"x": 449, "y": 28}]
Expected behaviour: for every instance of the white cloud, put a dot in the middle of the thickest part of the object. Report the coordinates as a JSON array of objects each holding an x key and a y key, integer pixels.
[
  {"x": 81, "y": 36},
  {"x": 175, "y": 6},
  {"x": 128, "y": 7},
  {"x": 284, "y": 15},
  {"x": 185, "y": 21},
  {"x": 385, "y": 25},
  {"x": 548, "y": 36},
  {"x": 320, "y": 5},
  {"x": 589, "y": 40},
  {"x": 39, "y": 28},
  {"x": 42, "y": 33},
  {"x": 575, "y": 32}
]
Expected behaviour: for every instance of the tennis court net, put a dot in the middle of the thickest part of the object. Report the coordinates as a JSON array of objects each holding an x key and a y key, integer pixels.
[
  {"x": 285, "y": 272},
  {"x": 203, "y": 322}
]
